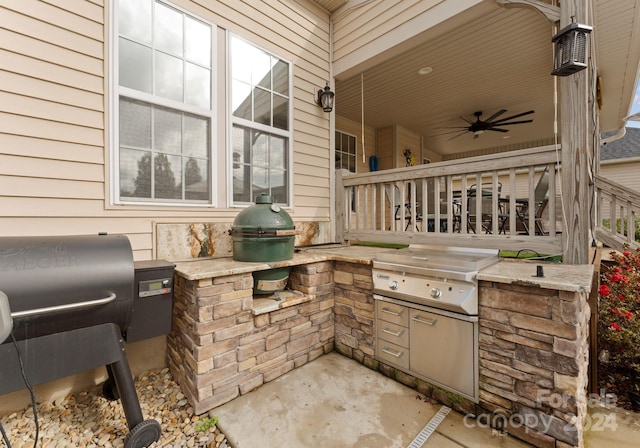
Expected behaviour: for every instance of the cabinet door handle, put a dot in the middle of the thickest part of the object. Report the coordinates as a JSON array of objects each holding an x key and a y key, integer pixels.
[
  {"x": 397, "y": 334},
  {"x": 431, "y": 322},
  {"x": 389, "y": 311},
  {"x": 392, "y": 353}
]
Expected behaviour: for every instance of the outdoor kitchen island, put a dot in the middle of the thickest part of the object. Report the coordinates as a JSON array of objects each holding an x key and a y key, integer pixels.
[{"x": 533, "y": 348}]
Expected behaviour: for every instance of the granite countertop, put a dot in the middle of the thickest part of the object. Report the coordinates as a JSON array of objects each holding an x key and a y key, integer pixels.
[
  {"x": 561, "y": 277},
  {"x": 557, "y": 276},
  {"x": 219, "y": 267}
]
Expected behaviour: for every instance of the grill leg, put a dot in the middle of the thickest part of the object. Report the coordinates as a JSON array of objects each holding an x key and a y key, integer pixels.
[
  {"x": 109, "y": 388},
  {"x": 126, "y": 389},
  {"x": 142, "y": 433}
]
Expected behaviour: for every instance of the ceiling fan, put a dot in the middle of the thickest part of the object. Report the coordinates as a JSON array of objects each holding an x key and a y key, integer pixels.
[{"x": 490, "y": 124}]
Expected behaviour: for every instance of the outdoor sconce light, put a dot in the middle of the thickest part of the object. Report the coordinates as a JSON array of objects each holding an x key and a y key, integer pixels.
[
  {"x": 325, "y": 98},
  {"x": 570, "y": 49}
]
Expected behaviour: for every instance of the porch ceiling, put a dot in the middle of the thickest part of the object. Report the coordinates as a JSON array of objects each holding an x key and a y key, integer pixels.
[{"x": 493, "y": 58}]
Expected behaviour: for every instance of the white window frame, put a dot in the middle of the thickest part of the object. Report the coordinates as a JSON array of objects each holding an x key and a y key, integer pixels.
[
  {"x": 288, "y": 134},
  {"x": 116, "y": 91},
  {"x": 355, "y": 137}
]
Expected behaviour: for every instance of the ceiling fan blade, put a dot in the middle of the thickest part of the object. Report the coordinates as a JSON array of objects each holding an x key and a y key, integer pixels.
[
  {"x": 460, "y": 129},
  {"x": 511, "y": 122},
  {"x": 514, "y": 116},
  {"x": 468, "y": 121},
  {"x": 498, "y": 130},
  {"x": 456, "y": 136},
  {"x": 496, "y": 115}
]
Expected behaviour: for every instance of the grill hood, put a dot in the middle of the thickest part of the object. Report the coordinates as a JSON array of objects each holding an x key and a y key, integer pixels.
[{"x": 62, "y": 283}]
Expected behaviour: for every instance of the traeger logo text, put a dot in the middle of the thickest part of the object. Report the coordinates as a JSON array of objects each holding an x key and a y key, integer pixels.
[{"x": 28, "y": 258}]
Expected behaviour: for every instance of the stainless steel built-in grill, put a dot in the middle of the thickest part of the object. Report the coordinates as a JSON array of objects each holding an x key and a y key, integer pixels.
[
  {"x": 70, "y": 303},
  {"x": 427, "y": 313}
]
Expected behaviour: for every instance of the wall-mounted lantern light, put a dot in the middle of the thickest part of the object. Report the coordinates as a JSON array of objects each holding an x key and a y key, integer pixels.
[
  {"x": 325, "y": 98},
  {"x": 570, "y": 49}
]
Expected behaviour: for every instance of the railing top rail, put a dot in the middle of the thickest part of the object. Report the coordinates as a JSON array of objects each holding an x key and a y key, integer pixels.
[
  {"x": 619, "y": 190},
  {"x": 513, "y": 159}
]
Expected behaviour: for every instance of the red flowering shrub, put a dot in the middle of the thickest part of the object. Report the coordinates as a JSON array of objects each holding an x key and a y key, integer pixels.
[{"x": 619, "y": 313}]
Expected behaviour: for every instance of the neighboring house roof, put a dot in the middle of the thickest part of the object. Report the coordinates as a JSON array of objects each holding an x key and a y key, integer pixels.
[{"x": 623, "y": 148}]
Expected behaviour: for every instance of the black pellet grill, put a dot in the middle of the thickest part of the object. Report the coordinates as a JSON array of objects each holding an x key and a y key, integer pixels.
[{"x": 74, "y": 301}]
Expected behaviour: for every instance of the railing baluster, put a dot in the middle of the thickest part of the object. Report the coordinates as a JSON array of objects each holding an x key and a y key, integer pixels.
[
  {"x": 551, "y": 225},
  {"x": 512, "y": 202},
  {"x": 464, "y": 205}
]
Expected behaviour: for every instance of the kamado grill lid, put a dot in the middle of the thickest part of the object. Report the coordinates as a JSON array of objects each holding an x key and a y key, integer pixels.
[{"x": 263, "y": 218}]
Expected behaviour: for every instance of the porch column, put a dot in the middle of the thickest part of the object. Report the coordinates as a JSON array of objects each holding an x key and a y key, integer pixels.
[{"x": 577, "y": 145}]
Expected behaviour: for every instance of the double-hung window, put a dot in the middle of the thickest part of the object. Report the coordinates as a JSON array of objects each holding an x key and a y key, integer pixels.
[
  {"x": 261, "y": 123},
  {"x": 164, "y": 105},
  {"x": 345, "y": 151}
]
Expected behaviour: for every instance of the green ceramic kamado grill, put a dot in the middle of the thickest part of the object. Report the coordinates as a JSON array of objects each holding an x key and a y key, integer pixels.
[{"x": 264, "y": 232}]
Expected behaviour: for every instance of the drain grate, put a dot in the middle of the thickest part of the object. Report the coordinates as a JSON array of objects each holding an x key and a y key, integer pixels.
[{"x": 429, "y": 428}]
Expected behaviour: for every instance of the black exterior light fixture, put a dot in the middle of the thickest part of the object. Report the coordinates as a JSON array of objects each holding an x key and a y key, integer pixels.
[
  {"x": 570, "y": 49},
  {"x": 325, "y": 98}
]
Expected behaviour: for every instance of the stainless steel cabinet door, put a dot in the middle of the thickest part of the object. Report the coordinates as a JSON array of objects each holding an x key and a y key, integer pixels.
[{"x": 442, "y": 350}]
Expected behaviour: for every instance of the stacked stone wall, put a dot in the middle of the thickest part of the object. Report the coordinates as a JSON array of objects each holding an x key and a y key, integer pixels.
[
  {"x": 220, "y": 348},
  {"x": 354, "y": 312},
  {"x": 533, "y": 362}
]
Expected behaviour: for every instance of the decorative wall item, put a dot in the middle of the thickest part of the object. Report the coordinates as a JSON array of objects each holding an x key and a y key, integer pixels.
[{"x": 410, "y": 159}]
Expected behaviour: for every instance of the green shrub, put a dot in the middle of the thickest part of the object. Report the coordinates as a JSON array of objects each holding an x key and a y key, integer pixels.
[
  {"x": 206, "y": 424},
  {"x": 621, "y": 226}
]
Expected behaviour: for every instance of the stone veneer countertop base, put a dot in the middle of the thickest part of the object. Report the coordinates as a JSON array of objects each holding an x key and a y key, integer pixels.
[{"x": 561, "y": 277}]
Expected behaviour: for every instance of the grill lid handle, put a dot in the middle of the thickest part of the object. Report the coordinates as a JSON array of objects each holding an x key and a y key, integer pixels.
[
  {"x": 66, "y": 307},
  {"x": 6, "y": 323},
  {"x": 260, "y": 232}
]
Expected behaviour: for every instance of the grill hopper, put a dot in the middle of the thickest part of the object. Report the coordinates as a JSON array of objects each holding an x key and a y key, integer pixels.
[{"x": 63, "y": 283}]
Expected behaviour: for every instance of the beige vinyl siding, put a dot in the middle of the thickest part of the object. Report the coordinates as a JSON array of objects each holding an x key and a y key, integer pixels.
[
  {"x": 51, "y": 149},
  {"x": 54, "y": 173},
  {"x": 360, "y": 26},
  {"x": 364, "y": 32},
  {"x": 621, "y": 171}
]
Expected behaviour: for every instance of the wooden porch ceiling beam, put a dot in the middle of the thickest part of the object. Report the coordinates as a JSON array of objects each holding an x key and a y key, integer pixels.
[{"x": 552, "y": 13}]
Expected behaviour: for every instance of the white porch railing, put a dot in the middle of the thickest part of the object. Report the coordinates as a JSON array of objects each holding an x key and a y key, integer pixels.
[
  {"x": 618, "y": 210},
  {"x": 436, "y": 203}
]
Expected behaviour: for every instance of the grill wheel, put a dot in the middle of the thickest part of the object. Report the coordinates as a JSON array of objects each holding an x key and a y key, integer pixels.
[{"x": 143, "y": 434}]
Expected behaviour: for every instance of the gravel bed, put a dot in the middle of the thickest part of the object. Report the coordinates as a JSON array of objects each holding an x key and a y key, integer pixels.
[{"x": 87, "y": 419}]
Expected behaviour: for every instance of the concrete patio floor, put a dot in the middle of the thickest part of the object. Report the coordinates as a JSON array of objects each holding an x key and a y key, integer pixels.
[{"x": 336, "y": 402}]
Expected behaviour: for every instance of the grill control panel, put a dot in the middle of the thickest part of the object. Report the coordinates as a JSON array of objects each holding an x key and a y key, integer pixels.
[
  {"x": 453, "y": 295},
  {"x": 156, "y": 287},
  {"x": 152, "y": 309}
]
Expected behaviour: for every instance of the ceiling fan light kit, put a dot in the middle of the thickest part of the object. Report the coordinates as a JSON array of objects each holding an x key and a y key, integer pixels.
[{"x": 570, "y": 49}]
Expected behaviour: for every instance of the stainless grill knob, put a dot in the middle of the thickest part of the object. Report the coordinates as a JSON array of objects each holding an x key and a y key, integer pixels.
[
  {"x": 436, "y": 293},
  {"x": 393, "y": 285}
]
